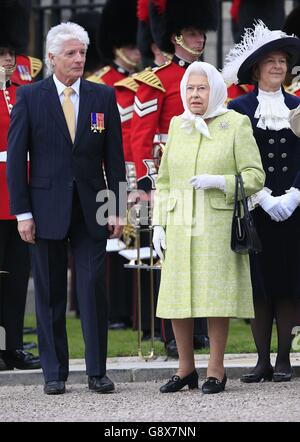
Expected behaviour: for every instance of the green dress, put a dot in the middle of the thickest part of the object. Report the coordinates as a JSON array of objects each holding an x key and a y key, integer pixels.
[{"x": 201, "y": 276}]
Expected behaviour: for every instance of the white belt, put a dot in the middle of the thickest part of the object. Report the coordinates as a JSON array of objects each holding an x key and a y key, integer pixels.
[
  {"x": 160, "y": 138},
  {"x": 3, "y": 157}
]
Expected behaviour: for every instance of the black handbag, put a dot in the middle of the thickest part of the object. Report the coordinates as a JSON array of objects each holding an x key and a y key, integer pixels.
[{"x": 244, "y": 238}]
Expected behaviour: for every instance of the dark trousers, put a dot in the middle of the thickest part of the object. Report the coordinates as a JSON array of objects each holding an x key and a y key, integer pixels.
[
  {"x": 14, "y": 258},
  {"x": 49, "y": 264}
]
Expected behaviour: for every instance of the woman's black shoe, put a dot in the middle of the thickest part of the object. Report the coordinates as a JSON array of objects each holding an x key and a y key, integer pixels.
[
  {"x": 264, "y": 376},
  {"x": 176, "y": 383},
  {"x": 281, "y": 377},
  {"x": 213, "y": 385}
]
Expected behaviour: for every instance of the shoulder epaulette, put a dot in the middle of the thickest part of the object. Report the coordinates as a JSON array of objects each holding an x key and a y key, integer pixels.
[
  {"x": 128, "y": 83},
  {"x": 35, "y": 66},
  {"x": 158, "y": 68},
  {"x": 292, "y": 88},
  {"x": 147, "y": 76},
  {"x": 97, "y": 76}
]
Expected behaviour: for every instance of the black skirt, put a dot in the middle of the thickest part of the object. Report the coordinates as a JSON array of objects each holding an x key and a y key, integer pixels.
[{"x": 275, "y": 272}]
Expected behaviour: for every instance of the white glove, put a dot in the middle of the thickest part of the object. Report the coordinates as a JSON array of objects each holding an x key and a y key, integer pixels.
[
  {"x": 289, "y": 202},
  {"x": 159, "y": 241},
  {"x": 271, "y": 205},
  {"x": 207, "y": 181}
]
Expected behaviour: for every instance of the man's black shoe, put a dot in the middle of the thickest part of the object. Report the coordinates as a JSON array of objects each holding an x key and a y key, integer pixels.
[
  {"x": 20, "y": 359},
  {"x": 201, "y": 341},
  {"x": 29, "y": 345},
  {"x": 101, "y": 384},
  {"x": 171, "y": 349},
  {"x": 54, "y": 387}
]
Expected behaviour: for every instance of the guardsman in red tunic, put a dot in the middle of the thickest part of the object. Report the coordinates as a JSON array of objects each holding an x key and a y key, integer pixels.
[
  {"x": 178, "y": 27},
  {"x": 14, "y": 254}
]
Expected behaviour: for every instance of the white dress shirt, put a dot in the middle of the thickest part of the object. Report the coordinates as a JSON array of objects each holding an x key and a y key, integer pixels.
[{"x": 60, "y": 87}]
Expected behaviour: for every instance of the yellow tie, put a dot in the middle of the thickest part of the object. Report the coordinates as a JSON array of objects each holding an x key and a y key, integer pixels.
[{"x": 69, "y": 111}]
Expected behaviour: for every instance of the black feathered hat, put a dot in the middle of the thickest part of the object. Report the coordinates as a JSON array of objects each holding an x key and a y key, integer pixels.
[
  {"x": 90, "y": 21},
  {"x": 169, "y": 17},
  {"x": 292, "y": 22},
  {"x": 14, "y": 24},
  {"x": 118, "y": 27}
]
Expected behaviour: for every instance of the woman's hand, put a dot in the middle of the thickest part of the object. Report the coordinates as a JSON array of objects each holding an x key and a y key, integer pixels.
[
  {"x": 271, "y": 205},
  {"x": 207, "y": 181},
  {"x": 159, "y": 241}
]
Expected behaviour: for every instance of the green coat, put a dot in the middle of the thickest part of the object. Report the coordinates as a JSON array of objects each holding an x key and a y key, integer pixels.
[{"x": 201, "y": 276}]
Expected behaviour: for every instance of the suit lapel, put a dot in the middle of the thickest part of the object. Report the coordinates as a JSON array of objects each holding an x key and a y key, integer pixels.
[
  {"x": 83, "y": 114},
  {"x": 55, "y": 107}
]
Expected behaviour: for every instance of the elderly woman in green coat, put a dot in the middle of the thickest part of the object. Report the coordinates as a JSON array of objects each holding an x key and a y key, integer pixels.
[{"x": 193, "y": 207}]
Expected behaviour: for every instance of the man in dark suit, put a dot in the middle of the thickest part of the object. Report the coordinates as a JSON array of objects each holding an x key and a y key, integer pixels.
[{"x": 71, "y": 129}]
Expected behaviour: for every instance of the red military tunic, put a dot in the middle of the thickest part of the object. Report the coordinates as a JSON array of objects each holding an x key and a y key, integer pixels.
[
  {"x": 27, "y": 69},
  {"x": 236, "y": 90},
  {"x": 7, "y": 100},
  {"x": 156, "y": 102},
  {"x": 293, "y": 88}
]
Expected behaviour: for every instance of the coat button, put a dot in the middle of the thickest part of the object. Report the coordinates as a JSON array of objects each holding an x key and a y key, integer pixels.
[
  {"x": 271, "y": 141},
  {"x": 271, "y": 169},
  {"x": 271, "y": 155},
  {"x": 284, "y": 169},
  {"x": 282, "y": 140},
  {"x": 283, "y": 155}
]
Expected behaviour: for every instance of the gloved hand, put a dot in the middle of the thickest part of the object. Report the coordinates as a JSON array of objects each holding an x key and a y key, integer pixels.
[
  {"x": 271, "y": 205},
  {"x": 207, "y": 181},
  {"x": 288, "y": 202},
  {"x": 159, "y": 241}
]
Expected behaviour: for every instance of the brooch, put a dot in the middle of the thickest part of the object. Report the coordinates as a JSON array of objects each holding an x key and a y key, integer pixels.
[
  {"x": 97, "y": 122},
  {"x": 223, "y": 125}
]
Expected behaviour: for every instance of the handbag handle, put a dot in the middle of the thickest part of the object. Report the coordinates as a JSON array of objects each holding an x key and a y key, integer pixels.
[{"x": 243, "y": 195}]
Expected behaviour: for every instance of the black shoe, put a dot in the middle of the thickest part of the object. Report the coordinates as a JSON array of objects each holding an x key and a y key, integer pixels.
[
  {"x": 200, "y": 341},
  {"x": 171, "y": 349},
  {"x": 282, "y": 377},
  {"x": 29, "y": 345},
  {"x": 29, "y": 331},
  {"x": 213, "y": 385},
  {"x": 101, "y": 384},
  {"x": 54, "y": 387},
  {"x": 176, "y": 383},
  {"x": 263, "y": 376},
  {"x": 20, "y": 359}
]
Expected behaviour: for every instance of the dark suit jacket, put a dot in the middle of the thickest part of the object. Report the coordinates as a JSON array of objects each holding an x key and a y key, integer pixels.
[{"x": 38, "y": 125}]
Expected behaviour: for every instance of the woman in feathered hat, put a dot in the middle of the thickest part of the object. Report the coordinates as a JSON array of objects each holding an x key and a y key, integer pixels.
[{"x": 264, "y": 57}]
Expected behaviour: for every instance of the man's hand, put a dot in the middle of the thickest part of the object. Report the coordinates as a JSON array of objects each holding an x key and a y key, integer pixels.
[
  {"x": 26, "y": 230},
  {"x": 115, "y": 226}
]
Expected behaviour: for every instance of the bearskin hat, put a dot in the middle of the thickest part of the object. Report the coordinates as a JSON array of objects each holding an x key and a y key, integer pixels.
[
  {"x": 118, "y": 27},
  {"x": 169, "y": 17},
  {"x": 292, "y": 22},
  {"x": 14, "y": 24}
]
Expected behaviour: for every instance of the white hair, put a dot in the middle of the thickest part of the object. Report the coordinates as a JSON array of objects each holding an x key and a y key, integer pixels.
[{"x": 58, "y": 35}]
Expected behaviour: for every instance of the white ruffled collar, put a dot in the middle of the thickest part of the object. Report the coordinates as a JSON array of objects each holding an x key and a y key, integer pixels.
[{"x": 272, "y": 112}]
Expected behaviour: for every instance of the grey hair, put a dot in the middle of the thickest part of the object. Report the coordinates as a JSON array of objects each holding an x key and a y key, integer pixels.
[{"x": 58, "y": 35}]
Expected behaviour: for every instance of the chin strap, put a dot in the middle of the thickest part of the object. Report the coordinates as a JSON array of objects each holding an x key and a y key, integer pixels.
[
  {"x": 120, "y": 53},
  {"x": 180, "y": 41}
]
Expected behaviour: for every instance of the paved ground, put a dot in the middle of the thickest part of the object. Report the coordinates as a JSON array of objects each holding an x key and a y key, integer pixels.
[
  {"x": 142, "y": 402},
  {"x": 137, "y": 397}
]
